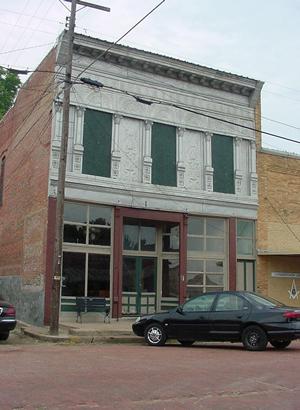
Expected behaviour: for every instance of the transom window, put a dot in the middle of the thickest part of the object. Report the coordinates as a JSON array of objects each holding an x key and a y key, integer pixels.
[
  {"x": 87, "y": 224},
  {"x": 139, "y": 235}
]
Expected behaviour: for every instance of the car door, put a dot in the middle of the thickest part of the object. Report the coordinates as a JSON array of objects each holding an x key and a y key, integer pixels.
[
  {"x": 192, "y": 320},
  {"x": 229, "y": 313}
]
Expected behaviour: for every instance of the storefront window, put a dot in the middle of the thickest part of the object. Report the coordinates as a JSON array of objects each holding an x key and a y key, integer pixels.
[
  {"x": 98, "y": 275},
  {"x": 170, "y": 278},
  {"x": 97, "y": 231},
  {"x": 139, "y": 236},
  {"x": 245, "y": 238},
  {"x": 206, "y": 268},
  {"x": 73, "y": 274},
  {"x": 170, "y": 237}
]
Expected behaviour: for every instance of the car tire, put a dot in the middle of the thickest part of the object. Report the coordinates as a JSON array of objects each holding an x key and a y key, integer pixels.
[
  {"x": 280, "y": 344},
  {"x": 155, "y": 335},
  {"x": 254, "y": 338},
  {"x": 186, "y": 343},
  {"x": 4, "y": 336}
]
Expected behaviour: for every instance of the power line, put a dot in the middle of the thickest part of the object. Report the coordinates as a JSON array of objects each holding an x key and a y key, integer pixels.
[
  {"x": 25, "y": 48},
  {"x": 120, "y": 38}
]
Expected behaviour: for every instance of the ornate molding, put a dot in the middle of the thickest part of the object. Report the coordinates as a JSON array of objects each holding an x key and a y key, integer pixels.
[{"x": 209, "y": 179}]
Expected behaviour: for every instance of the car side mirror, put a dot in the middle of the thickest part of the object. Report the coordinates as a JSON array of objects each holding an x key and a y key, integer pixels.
[{"x": 179, "y": 310}]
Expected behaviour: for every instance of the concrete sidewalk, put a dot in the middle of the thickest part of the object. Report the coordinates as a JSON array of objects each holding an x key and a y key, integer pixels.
[{"x": 117, "y": 331}]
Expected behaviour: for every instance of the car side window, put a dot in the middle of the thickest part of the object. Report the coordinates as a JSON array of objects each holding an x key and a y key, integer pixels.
[
  {"x": 199, "y": 304},
  {"x": 230, "y": 302}
]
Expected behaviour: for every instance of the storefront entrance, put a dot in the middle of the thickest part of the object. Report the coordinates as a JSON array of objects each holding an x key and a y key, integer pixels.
[{"x": 139, "y": 285}]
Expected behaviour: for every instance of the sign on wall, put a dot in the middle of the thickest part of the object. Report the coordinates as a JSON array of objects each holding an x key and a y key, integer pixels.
[{"x": 285, "y": 275}]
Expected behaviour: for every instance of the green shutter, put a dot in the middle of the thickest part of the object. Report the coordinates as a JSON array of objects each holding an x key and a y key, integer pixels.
[
  {"x": 97, "y": 143},
  {"x": 222, "y": 161},
  {"x": 163, "y": 152}
]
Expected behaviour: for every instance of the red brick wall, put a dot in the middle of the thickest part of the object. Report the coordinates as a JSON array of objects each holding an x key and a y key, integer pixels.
[{"x": 25, "y": 137}]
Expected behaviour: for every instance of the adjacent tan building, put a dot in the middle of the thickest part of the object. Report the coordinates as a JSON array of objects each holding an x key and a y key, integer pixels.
[{"x": 278, "y": 226}]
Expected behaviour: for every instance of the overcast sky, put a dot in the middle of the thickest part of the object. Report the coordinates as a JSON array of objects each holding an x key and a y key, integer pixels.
[{"x": 257, "y": 39}]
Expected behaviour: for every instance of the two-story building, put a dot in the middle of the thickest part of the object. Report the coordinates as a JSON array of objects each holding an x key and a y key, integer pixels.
[{"x": 161, "y": 184}]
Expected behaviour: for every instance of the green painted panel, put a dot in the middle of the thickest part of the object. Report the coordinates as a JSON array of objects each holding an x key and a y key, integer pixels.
[
  {"x": 163, "y": 152},
  {"x": 97, "y": 143},
  {"x": 222, "y": 162}
]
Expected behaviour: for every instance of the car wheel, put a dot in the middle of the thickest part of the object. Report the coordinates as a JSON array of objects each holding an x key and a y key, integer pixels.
[
  {"x": 4, "y": 336},
  {"x": 155, "y": 335},
  {"x": 186, "y": 343},
  {"x": 254, "y": 338},
  {"x": 280, "y": 344}
]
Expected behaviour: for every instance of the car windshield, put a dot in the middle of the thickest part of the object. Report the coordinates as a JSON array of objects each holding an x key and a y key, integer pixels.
[{"x": 265, "y": 301}]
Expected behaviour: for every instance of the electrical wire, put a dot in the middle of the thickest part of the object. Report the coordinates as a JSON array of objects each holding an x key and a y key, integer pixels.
[
  {"x": 25, "y": 48},
  {"x": 120, "y": 38}
]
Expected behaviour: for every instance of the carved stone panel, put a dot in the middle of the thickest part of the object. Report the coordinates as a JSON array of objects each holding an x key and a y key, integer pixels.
[
  {"x": 192, "y": 150},
  {"x": 130, "y": 150}
]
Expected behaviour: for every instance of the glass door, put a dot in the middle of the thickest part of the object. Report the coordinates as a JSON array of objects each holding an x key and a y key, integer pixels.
[
  {"x": 245, "y": 278},
  {"x": 139, "y": 285}
]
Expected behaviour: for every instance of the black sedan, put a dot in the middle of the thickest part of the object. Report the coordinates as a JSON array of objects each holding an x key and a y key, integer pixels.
[
  {"x": 224, "y": 316},
  {"x": 7, "y": 319}
]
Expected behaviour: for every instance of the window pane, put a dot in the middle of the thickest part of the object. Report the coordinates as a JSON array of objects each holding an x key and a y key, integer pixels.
[
  {"x": 74, "y": 233},
  {"x": 215, "y": 245},
  {"x": 214, "y": 266},
  {"x": 148, "y": 275},
  {"x": 245, "y": 229},
  {"x": 170, "y": 238},
  {"x": 129, "y": 274},
  {"x": 201, "y": 304},
  {"x": 216, "y": 280},
  {"x": 195, "y": 226},
  {"x": 230, "y": 302},
  {"x": 170, "y": 278},
  {"x": 195, "y": 265},
  {"x": 195, "y": 244},
  {"x": 245, "y": 247},
  {"x": 148, "y": 238},
  {"x": 98, "y": 275},
  {"x": 193, "y": 291},
  {"x": 100, "y": 215},
  {"x": 73, "y": 274},
  {"x": 131, "y": 237},
  {"x": 99, "y": 236},
  {"x": 195, "y": 279},
  {"x": 75, "y": 212},
  {"x": 215, "y": 227}
]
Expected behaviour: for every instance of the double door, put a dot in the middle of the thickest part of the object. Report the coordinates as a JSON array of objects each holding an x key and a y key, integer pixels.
[{"x": 139, "y": 285}]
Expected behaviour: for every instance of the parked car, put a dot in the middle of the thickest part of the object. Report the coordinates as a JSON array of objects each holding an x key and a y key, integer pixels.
[
  {"x": 224, "y": 316},
  {"x": 7, "y": 319}
]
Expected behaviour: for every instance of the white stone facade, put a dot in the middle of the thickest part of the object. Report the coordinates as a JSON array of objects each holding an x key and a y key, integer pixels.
[{"x": 131, "y": 161}]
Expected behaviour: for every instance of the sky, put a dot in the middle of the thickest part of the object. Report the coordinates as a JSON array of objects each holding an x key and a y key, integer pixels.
[{"x": 257, "y": 39}]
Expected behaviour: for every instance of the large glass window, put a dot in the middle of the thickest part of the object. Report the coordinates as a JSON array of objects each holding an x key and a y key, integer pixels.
[
  {"x": 85, "y": 274},
  {"x": 245, "y": 238},
  {"x": 170, "y": 237},
  {"x": 87, "y": 224},
  {"x": 206, "y": 267}
]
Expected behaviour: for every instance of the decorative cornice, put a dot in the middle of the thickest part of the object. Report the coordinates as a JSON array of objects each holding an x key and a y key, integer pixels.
[{"x": 165, "y": 66}]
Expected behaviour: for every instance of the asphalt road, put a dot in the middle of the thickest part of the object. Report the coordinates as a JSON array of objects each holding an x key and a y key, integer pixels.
[{"x": 42, "y": 376}]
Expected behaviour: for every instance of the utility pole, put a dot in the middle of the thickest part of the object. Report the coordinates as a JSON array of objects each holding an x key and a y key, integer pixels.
[{"x": 57, "y": 259}]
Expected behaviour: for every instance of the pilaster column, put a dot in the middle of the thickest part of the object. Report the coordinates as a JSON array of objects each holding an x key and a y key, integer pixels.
[
  {"x": 57, "y": 127},
  {"x": 208, "y": 169},
  {"x": 147, "y": 160},
  {"x": 253, "y": 174},
  {"x": 180, "y": 163},
  {"x": 78, "y": 140},
  {"x": 238, "y": 175},
  {"x": 116, "y": 154}
]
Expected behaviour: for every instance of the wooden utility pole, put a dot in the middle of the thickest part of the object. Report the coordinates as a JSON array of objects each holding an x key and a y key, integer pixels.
[{"x": 57, "y": 259}]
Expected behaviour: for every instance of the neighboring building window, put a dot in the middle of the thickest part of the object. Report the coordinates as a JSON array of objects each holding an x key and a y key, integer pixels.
[
  {"x": 222, "y": 161},
  {"x": 87, "y": 224},
  {"x": 206, "y": 267},
  {"x": 163, "y": 152},
  {"x": 2, "y": 166},
  {"x": 97, "y": 143}
]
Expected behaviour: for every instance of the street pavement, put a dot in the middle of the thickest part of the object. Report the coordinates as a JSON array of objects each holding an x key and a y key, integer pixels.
[{"x": 42, "y": 375}]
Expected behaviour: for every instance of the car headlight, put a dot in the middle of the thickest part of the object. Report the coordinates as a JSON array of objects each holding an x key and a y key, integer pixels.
[{"x": 138, "y": 319}]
